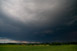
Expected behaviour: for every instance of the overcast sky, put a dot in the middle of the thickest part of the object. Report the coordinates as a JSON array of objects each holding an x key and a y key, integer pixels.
[{"x": 38, "y": 20}]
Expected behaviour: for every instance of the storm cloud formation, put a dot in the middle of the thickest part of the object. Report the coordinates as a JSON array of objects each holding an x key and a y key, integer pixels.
[{"x": 38, "y": 20}]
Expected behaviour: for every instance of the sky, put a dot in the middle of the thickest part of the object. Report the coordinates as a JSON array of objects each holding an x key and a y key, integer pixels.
[{"x": 38, "y": 20}]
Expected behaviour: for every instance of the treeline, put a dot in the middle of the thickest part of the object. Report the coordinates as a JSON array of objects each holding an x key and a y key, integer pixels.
[{"x": 53, "y": 43}]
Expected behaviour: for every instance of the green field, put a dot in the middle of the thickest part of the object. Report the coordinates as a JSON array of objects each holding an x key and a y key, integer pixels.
[{"x": 38, "y": 48}]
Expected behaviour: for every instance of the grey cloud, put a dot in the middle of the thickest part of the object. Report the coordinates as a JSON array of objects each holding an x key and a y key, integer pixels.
[
  {"x": 31, "y": 19},
  {"x": 32, "y": 11}
]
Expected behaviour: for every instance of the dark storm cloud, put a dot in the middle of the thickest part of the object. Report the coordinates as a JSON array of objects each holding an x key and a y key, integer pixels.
[{"x": 38, "y": 20}]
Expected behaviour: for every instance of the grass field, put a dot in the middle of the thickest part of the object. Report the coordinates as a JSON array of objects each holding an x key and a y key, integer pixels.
[{"x": 38, "y": 48}]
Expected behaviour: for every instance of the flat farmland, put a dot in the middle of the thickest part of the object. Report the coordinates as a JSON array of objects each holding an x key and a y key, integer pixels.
[{"x": 38, "y": 48}]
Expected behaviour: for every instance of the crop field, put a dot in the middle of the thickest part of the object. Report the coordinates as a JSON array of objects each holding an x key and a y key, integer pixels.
[{"x": 38, "y": 48}]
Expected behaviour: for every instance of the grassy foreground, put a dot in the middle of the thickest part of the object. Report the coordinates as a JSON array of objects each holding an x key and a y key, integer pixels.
[{"x": 38, "y": 48}]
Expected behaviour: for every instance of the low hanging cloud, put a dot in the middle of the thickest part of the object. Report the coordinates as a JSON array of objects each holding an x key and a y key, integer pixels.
[
  {"x": 6, "y": 40},
  {"x": 26, "y": 19}
]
